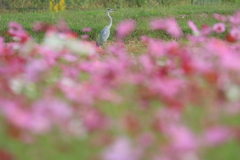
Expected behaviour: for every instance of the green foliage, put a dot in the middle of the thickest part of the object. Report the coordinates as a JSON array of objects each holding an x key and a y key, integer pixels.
[
  {"x": 96, "y": 19},
  {"x": 231, "y": 1},
  {"x": 36, "y": 5}
]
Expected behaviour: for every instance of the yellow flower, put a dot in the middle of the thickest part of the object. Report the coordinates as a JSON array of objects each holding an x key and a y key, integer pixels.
[
  {"x": 56, "y": 8},
  {"x": 62, "y": 5}
]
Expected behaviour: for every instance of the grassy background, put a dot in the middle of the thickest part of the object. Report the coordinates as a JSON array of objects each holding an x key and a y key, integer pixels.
[
  {"x": 96, "y": 19},
  {"x": 49, "y": 147},
  {"x": 34, "y": 5}
]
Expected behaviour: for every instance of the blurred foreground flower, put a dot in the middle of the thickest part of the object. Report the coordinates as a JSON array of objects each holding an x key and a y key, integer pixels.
[
  {"x": 174, "y": 101},
  {"x": 169, "y": 25},
  {"x": 219, "y": 27},
  {"x": 124, "y": 28},
  {"x": 121, "y": 149}
]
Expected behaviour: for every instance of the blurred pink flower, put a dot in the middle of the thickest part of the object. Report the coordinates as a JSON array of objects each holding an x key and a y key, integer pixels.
[
  {"x": 49, "y": 112},
  {"x": 15, "y": 114},
  {"x": 156, "y": 48},
  {"x": 34, "y": 68},
  {"x": 85, "y": 36},
  {"x": 75, "y": 89},
  {"x": 14, "y": 27},
  {"x": 194, "y": 28},
  {"x": 165, "y": 86},
  {"x": 1, "y": 45},
  {"x": 219, "y": 27},
  {"x": 181, "y": 138},
  {"x": 86, "y": 29},
  {"x": 70, "y": 57},
  {"x": 216, "y": 135},
  {"x": 235, "y": 33},
  {"x": 93, "y": 120},
  {"x": 54, "y": 109},
  {"x": 144, "y": 39},
  {"x": 62, "y": 26},
  {"x": 206, "y": 30},
  {"x": 234, "y": 107},
  {"x": 39, "y": 123},
  {"x": 228, "y": 58},
  {"x": 81, "y": 93},
  {"x": 219, "y": 17},
  {"x": 69, "y": 71},
  {"x": 12, "y": 64},
  {"x": 49, "y": 55},
  {"x": 121, "y": 149},
  {"x": 235, "y": 18},
  {"x": 124, "y": 28},
  {"x": 146, "y": 62},
  {"x": 17, "y": 32},
  {"x": 169, "y": 25},
  {"x": 39, "y": 26}
]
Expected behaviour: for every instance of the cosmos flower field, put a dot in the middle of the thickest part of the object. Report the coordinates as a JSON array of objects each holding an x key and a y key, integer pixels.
[{"x": 173, "y": 102}]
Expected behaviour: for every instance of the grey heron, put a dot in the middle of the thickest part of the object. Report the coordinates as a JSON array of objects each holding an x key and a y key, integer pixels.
[{"x": 105, "y": 32}]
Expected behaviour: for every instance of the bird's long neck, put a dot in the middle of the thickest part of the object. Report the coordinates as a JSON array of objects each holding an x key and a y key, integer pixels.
[{"x": 110, "y": 18}]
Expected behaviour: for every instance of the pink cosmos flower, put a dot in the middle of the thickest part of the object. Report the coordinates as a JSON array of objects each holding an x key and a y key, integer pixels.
[
  {"x": 15, "y": 114},
  {"x": 216, "y": 135},
  {"x": 85, "y": 36},
  {"x": 165, "y": 87},
  {"x": 156, "y": 48},
  {"x": 168, "y": 75},
  {"x": 48, "y": 112},
  {"x": 146, "y": 63},
  {"x": 1, "y": 45},
  {"x": 62, "y": 26},
  {"x": 181, "y": 138},
  {"x": 121, "y": 149},
  {"x": 17, "y": 32},
  {"x": 228, "y": 58},
  {"x": 39, "y": 26},
  {"x": 235, "y": 19},
  {"x": 70, "y": 57},
  {"x": 219, "y": 17},
  {"x": 34, "y": 68},
  {"x": 54, "y": 109},
  {"x": 233, "y": 108},
  {"x": 194, "y": 28},
  {"x": 49, "y": 55},
  {"x": 219, "y": 27},
  {"x": 72, "y": 90},
  {"x": 206, "y": 30},
  {"x": 169, "y": 25},
  {"x": 235, "y": 33},
  {"x": 39, "y": 123},
  {"x": 14, "y": 27},
  {"x": 124, "y": 28},
  {"x": 93, "y": 120},
  {"x": 86, "y": 29},
  {"x": 144, "y": 39}
]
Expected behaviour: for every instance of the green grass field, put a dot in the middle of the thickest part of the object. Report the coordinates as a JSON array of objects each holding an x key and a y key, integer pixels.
[
  {"x": 96, "y": 19},
  {"x": 49, "y": 147}
]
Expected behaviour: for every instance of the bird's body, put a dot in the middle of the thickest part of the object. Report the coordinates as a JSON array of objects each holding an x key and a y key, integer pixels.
[
  {"x": 105, "y": 32},
  {"x": 103, "y": 36}
]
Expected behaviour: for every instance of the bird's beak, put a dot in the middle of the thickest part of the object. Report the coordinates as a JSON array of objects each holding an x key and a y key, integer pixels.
[{"x": 114, "y": 10}]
